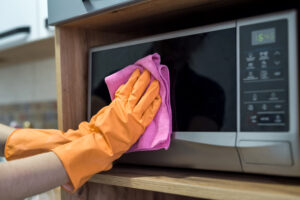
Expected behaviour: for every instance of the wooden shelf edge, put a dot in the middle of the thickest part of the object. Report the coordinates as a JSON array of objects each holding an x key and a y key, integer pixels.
[
  {"x": 202, "y": 184},
  {"x": 27, "y": 52}
]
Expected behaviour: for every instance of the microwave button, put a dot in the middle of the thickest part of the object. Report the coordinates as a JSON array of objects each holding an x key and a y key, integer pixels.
[
  {"x": 271, "y": 118},
  {"x": 250, "y": 76},
  {"x": 276, "y": 57},
  {"x": 264, "y": 55},
  {"x": 265, "y": 119},
  {"x": 252, "y": 119},
  {"x": 254, "y": 97},
  {"x": 273, "y": 96},
  {"x": 277, "y": 74},
  {"x": 263, "y": 64},
  {"x": 264, "y": 107},
  {"x": 250, "y": 66},
  {"x": 250, "y": 107},
  {"x": 278, "y": 119},
  {"x": 250, "y": 57},
  {"x": 264, "y": 75},
  {"x": 278, "y": 106}
]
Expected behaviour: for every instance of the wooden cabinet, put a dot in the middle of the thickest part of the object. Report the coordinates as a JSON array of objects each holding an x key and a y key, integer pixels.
[{"x": 72, "y": 43}]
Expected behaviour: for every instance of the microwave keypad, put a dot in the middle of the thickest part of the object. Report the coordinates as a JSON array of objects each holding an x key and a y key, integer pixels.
[
  {"x": 264, "y": 77},
  {"x": 263, "y": 66}
]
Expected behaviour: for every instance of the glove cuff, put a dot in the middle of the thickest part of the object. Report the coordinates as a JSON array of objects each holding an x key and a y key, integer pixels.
[
  {"x": 9, "y": 148},
  {"x": 28, "y": 142}
]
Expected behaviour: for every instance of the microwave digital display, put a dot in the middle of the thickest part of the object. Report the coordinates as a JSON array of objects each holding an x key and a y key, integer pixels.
[{"x": 265, "y": 36}]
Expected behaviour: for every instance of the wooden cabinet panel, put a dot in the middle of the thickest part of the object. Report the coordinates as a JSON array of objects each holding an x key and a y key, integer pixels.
[
  {"x": 93, "y": 191},
  {"x": 72, "y": 43}
]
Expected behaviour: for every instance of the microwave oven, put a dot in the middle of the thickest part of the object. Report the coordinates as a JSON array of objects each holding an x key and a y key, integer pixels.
[{"x": 234, "y": 94}]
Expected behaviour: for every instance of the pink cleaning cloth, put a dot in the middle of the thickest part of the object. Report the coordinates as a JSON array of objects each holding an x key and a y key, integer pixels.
[{"x": 157, "y": 134}]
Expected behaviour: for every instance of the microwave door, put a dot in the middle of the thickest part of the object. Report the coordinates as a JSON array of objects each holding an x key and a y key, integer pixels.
[
  {"x": 198, "y": 152},
  {"x": 203, "y": 94},
  {"x": 203, "y": 91}
]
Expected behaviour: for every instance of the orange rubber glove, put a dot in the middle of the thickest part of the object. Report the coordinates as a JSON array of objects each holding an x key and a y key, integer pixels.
[{"x": 96, "y": 144}]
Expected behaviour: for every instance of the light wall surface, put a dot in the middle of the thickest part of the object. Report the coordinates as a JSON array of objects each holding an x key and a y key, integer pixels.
[{"x": 28, "y": 82}]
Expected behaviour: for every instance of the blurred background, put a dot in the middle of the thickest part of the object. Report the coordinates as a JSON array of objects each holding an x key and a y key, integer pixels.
[{"x": 27, "y": 69}]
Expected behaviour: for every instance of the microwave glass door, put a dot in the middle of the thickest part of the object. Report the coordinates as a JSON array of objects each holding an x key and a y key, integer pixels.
[{"x": 202, "y": 73}]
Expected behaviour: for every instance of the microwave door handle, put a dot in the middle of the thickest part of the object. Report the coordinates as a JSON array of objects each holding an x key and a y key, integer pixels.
[
  {"x": 15, "y": 31},
  {"x": 223, "y": 139}
]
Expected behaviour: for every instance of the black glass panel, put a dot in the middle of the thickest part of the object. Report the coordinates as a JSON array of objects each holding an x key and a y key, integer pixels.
[{"x": 202, "y": 72}]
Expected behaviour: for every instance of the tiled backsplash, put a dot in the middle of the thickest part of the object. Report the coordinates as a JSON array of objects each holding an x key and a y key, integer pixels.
[
  {"x": 40, "y": 115},
  {"x": 28, "y": 93},
  {"x": 28, "y": 82}
]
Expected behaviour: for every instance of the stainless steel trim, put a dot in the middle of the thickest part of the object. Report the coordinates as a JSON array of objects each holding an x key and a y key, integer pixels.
[
  {"x": 266, "y": 18},
  {"x": 293, "y": 73},
  {"x": 238, "y": 92},
  {"x": 259, "y": 91},
  {"x": 293, "y": 86},
  {"x": 238, "y": 76},
  {"x": 224, "y": 139}
]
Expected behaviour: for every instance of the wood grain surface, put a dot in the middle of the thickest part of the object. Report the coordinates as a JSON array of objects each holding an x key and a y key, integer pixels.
[
  {"x": 202, "y": 184},
  {"x": 71, "y": 54},
  {"x": 93, "y": 191},
  {"x": 126, "y": 183},
  {"x": 71, "y": 63}
]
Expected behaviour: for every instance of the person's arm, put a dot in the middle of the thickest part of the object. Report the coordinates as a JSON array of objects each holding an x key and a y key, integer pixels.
[
  {"x": 5, "y": 131},
  {"x": 29, "y": 176},
  {"x": 97, "y": 143}
]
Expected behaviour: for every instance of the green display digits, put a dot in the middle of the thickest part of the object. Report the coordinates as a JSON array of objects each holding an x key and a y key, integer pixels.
[
  {"x": 260, "y": 37},
  {"x": 265, "y": 36}
]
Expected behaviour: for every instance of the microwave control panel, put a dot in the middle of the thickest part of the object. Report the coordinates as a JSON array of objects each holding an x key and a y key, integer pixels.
[{"x": 263, "y": 70}]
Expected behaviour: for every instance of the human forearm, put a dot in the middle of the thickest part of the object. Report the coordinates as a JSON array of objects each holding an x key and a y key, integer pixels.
[
  {"x": 4, "y": 133},
  {"x": 29, "y": 176},
  {"x": 94, "y": 146}
]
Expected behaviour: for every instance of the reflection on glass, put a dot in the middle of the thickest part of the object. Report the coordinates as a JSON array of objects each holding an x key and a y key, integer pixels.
[{"x": 202, "y": 72}]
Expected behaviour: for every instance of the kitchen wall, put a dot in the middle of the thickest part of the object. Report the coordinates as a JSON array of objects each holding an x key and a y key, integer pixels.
[
  {"x": 28, "y": 82},
  {"x": 28, "y": 93}
]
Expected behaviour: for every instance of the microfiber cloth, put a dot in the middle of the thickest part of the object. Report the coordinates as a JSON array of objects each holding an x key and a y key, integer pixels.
[{"x": 157, "y": 134}]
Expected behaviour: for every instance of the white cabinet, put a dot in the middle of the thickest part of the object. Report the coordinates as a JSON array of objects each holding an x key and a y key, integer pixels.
[
  {"x": 22, "y": 21},
  {"x": 43, "y": 28}
]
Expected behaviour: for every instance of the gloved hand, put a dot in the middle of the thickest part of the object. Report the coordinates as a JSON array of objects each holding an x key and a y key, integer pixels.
[{"x": 96, "y": 144}]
